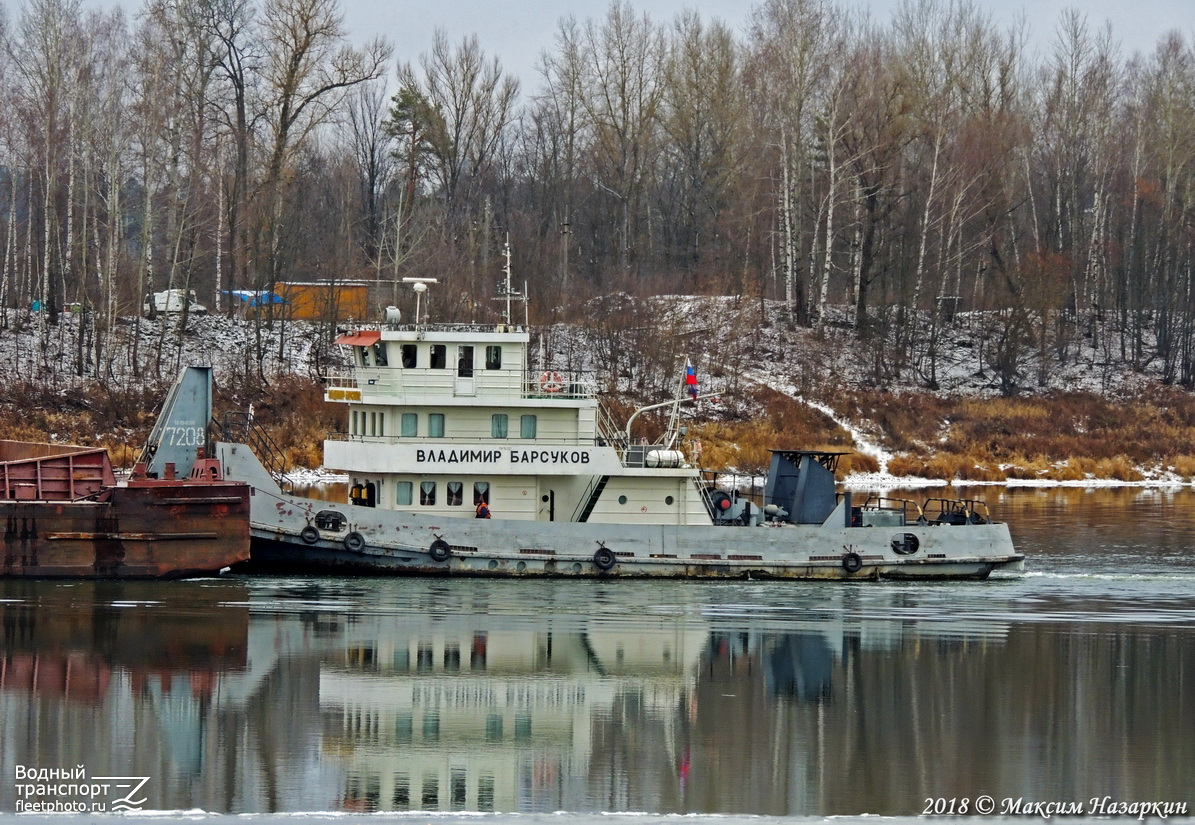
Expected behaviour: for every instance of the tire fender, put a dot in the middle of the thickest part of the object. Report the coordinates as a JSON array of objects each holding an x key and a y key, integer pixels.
[
  {"x": 440, "y": 550},
  {"x": 604, "y": 558}
]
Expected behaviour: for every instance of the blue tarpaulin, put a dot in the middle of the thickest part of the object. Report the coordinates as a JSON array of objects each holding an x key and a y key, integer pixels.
[{"x": 256, "y": 299}]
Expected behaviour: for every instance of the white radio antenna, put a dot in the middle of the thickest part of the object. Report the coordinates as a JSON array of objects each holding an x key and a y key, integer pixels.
[{"x": 420, "y": 287}]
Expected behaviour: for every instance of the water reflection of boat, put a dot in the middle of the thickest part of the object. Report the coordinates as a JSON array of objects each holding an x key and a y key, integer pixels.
[{"x": 488, "y": 712}]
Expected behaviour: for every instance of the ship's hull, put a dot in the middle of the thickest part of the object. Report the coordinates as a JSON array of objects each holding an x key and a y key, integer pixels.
[
  {"x": 151, "y": 529},
  {"x": 281, "y": 553},
  {"x": 292, "y": 534}
]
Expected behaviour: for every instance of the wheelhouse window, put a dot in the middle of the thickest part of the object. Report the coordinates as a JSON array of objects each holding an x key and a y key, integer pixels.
[
  {"x": 403, "y": 493},
  {"x": 410, "y": 425},
  {"x": 464, "y": 362},
  {"x": 379, "y": 354},
  {"x": 435, "y": 425},
  {"x": 427, "y": 493},
  {"x": 456, "y": 494},
  {"x": 527, "y": 426},
  {"x": 439, "y": 356},
  {"x": 364, "y": 351},
  {"x": 481, "y": 492},
  {"x": 499, "y": 425},
  {"x": 493, "y": 357},
  {"x": 410, "y": 356}
]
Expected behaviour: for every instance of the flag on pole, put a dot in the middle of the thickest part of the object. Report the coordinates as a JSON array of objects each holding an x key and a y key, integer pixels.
[{"x": 691, "y": 379}]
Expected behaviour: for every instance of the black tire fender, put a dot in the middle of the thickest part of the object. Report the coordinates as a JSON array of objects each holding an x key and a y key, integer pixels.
[
  {"x": 309, "y": 534},
  {"x": 354, "y": 542},
  {"x": 440, "y": 550},
  {"x": 852, "y": 562},
  {"x": 604, "y": 558}
]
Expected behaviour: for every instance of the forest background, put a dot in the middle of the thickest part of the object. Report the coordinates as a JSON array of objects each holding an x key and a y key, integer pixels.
[{"x": 984, "y": 256}]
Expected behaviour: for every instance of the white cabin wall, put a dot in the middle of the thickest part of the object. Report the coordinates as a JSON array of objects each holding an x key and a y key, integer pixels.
[{"x": 645, "y": 501}]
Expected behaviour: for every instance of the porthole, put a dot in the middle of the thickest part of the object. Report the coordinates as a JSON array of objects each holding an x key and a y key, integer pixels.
[
  {"x": 669, "y": 499},
  {"x": 521, "y": 566},
  {"x": 622, "y": 499},
  {"x": 905, "y": 544},
  {"x": 544, "y": 499},
  {"x": 493, "y": 564}
]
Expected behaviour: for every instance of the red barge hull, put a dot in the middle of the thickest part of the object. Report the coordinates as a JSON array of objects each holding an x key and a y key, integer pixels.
[{"x": 64, "y": 516}]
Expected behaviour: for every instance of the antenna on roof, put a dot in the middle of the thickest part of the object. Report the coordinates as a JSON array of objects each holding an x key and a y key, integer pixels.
[
  {"x": 506, "y": 290},
  {"x": 420, "y": 287}
]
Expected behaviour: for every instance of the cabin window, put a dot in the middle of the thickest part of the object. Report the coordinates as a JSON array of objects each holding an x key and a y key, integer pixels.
[
  {"x": 481, "y": 492},
  {"x": 410, "y": 425},
  {"x": 373, "y": 423},
  {"x": 379, "y": 354},
  {"x": 439, "y": 356},
  {"x": 353, "y": 424},
  {"x": 427, "y": 493},
  {"x": 456, "y": 494},
  {"x": 527, "y": 426},
  {"x": 410, "y": 354},
  {"x": 364, "y": 356},
  {"x": 498, "y": 425},
  {"x": 435, "y": 425},
  {"x": 403, "y": 493},
  {"x": 493, "y": 357},
  {"x": 464, "y": 362},
  {"x": 381, "y": 424}
]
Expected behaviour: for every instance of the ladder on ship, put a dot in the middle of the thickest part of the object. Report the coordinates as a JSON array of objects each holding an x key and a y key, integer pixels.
[
  {"x": 590, "y": 499},
  {"x": 241, "y": 426}
]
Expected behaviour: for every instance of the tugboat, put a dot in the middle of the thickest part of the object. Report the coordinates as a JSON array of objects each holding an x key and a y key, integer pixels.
[
  {"x": 66, "y": 516},
  {"x": 463, "y": 461}
]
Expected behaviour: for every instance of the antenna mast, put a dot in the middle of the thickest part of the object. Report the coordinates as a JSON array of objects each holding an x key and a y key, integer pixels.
[{"x": 506, "y": 290}]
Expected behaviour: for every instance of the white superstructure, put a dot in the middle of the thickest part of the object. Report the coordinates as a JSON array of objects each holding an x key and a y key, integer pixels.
[{"x": 444, "y": 417}]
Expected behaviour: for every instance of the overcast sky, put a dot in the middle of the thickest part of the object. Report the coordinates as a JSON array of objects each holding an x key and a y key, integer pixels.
[{"x": 517, "y": 31}]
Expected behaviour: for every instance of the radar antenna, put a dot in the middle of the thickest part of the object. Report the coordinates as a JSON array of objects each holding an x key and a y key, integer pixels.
[{"x": 420, "y": 287}]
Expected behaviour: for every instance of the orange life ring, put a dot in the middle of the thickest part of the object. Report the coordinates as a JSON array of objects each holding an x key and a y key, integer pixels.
[{"x": 551, "y": 381}]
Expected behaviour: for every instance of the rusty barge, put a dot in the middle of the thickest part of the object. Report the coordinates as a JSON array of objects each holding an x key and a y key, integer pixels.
[{"x": 65, "y": 515}]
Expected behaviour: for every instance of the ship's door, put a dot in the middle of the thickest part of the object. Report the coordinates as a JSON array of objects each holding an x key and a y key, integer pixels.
[
  {"x": 547, "y": 504},
  {"x": 465, "y": 382}
]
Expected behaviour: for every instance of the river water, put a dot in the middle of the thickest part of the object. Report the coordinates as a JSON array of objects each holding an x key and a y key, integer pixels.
[{"x": 266, "y": 695}]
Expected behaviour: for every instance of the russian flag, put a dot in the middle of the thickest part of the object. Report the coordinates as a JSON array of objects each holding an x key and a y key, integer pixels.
[{"x": 691, "y": 379}]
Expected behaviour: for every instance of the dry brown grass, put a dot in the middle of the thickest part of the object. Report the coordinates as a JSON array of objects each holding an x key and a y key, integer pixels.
[
  {"x": 294, "y": 414},
  {"x": 1060, "y": 436}
]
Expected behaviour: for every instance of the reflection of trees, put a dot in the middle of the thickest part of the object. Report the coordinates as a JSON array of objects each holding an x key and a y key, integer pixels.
[{"x": 785, "y": 726}]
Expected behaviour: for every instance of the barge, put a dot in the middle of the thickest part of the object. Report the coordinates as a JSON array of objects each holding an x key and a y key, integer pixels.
[{"x": 65, "y": 515}]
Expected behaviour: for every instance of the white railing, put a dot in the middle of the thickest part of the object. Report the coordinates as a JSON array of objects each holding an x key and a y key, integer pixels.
[{"x": 489, "y": 383}]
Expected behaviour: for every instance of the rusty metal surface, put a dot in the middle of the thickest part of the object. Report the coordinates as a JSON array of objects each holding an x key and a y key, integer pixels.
[
  {"x": 151, "y": 529},
  {"x": 51, "y": 472}
]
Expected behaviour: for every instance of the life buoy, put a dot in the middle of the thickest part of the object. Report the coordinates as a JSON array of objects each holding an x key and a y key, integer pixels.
[
  {"x": 852, "y": 562},
  {"x": 440, "y": 550},
  {"x": 354, "y": 542},
  {"x": 604, "y": 558},
  {"x": 551, "y": 381},
  {"x": 309, "y": 534}
]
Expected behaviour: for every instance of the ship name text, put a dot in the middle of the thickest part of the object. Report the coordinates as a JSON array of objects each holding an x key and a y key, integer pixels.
[{"x": 516, "y": 456}]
